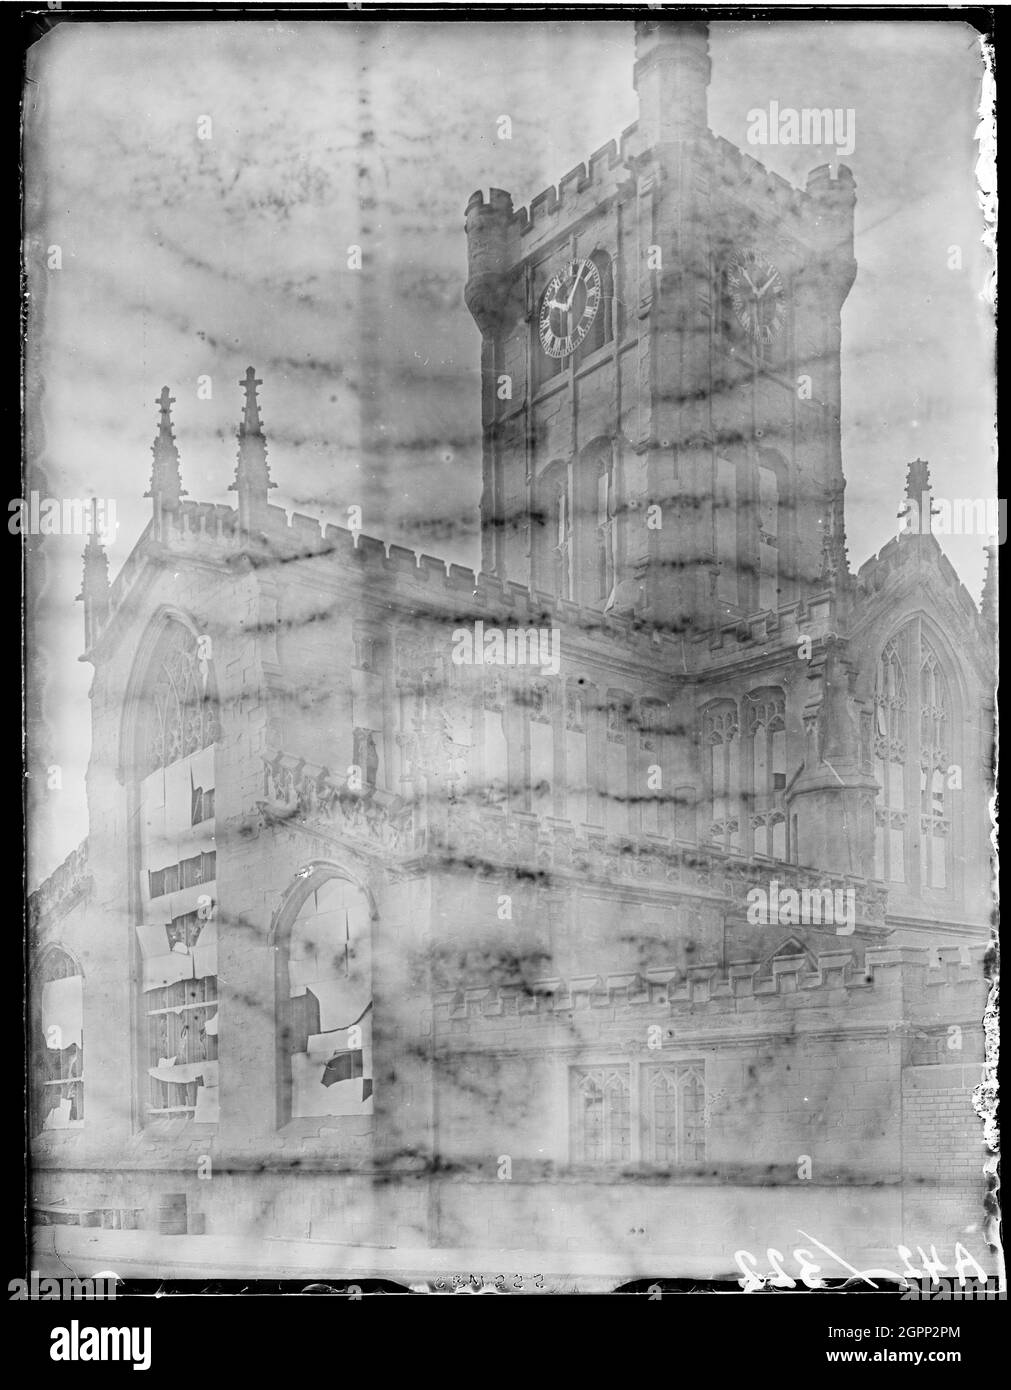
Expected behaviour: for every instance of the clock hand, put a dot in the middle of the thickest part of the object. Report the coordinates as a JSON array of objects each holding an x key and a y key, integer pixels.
[
  {"x": 572, "y": 292},
  {"x": 749, "y": 280},
  {"x": 767, "y": 284}
]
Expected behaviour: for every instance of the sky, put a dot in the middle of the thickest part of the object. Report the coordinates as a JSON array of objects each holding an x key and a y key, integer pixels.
[{"x": 186, "y": 258}]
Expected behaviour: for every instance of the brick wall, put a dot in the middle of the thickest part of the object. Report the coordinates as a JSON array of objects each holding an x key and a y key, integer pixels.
[{"x": 943, "y": 1154}]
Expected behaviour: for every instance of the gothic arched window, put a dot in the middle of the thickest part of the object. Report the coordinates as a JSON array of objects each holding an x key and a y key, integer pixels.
[
  {"x": 616, "y": 740},
  {"x": 600, "y": 1116},
  {"x": 721, "y": 742},
  {"x": 177, "y": 926},
  {"x": 890, "y": 749},
  {"x": 677, "y": 1099},
  {"x": 751, "y": 531},
  {"x": 607, "y": 527},
  {"x": 725, "y": 532},
  {"x": 768, "y": 539},
  {"x": 652, "y": 722},
  {"x": 181, "y": 715},
  {"x": 766, "y": 726},
  {"x": 366, "y": 757},
  {"x": 914, "y": 728},
  {"x": 324, "y": 999},
  {"x": 57, "y": 1042},
  {"x": 561, "y": 533},
  {"x": 935, "y": 759},
  {"x": 554, "y": 565}
]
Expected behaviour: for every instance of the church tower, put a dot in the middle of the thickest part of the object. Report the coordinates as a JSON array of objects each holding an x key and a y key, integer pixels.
[{"x": 660, "y": 366}]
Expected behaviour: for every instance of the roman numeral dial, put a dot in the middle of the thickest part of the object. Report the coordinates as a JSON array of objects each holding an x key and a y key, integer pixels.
[
  {"x": 569, "y": 305},
  {"x": 757, "y": 294}
]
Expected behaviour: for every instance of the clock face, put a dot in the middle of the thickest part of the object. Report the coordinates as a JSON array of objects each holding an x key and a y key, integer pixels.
[
  {"x": 757, "y": 294},
  {"x": 569, "y": 306}
]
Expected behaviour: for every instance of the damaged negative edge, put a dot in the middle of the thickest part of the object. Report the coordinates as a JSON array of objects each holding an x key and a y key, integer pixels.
[{"x": 984, "y": 1096}]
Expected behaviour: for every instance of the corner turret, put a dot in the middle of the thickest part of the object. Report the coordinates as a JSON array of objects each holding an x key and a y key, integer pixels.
[
  {"x": 672, "y": 73},
  {"x": 493, "y": 294}
]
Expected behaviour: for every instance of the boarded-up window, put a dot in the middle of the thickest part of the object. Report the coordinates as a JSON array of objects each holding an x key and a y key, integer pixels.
[
  {"x": 57, "y": 1043},
  {"x": 177, "y": 943},
  {"x": 325, "y": 1003}
]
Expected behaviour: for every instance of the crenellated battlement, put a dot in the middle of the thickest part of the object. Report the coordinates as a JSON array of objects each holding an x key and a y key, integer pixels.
[
  {"x": 62, "y": 888},
  {"x": 491, "y": 221},
  {"x": 216, "y": 521},
  {"x": 827, "y": 980},
  {"x": 596, "y": 175},
  {"x": 742, "y": 171},
  {"x": 822, "y": 184},
  {"x": 418, "y": 582},
  {"x": 821, "y": 209},
  {"x": 497, "y": 203},
  {"x": 726, "y": 161},
  {"x": 499, "y": 236},
  {"x": 814, "y": 618},
  {"x": 211, "y": 531},
  {"x": 902, "y": 555}
]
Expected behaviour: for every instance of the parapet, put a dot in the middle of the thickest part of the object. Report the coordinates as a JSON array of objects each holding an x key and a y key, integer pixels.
[
  {"x": 63, "y": 887},
  {"x": 600, "y": 176},
  {"x": 831, "y": 979},
  {"x": 906, "y": 552}
]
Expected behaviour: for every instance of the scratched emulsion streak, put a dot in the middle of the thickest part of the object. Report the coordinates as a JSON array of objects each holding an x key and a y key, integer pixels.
[{"x": 607, "y": 898}]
